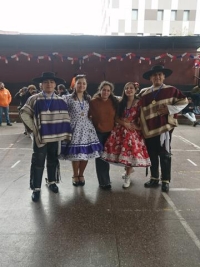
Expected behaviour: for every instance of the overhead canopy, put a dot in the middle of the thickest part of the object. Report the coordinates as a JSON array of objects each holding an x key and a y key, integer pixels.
[{"x": 19, "y": 42}]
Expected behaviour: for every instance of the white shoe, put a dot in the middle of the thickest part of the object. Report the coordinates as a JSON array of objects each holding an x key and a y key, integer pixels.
[
  {"x": 127, "y": 181},
  {"x": 124, "y": 174}
]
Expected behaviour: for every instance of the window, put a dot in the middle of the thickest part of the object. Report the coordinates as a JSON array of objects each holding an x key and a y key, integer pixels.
[
  {"x": 173, "y": 15},
  {"x": 139, "y": 34},
  {"x": 186, "y": 14},
  {"x": 160, "y": 15},
  {"x": 134, "y": 14}
]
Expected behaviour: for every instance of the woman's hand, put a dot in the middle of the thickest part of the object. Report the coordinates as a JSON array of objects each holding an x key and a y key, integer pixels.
[{"x": 130, "y": 126}]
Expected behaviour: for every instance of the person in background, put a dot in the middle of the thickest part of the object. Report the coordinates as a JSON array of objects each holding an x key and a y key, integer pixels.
[
  {"x": 32, "y": 90},
  {"x": 62, "y": 90},
  {"x": 102, "y": 112},
  {"x": 126, "y": 146},
  {"x": 137, "y": 87},
  {"x": 40, "y": 88},
  {"x": 85, "y": 144},
  {"x": 5, "y": 99},
  {"x": 21, "y": 96},
  {"x": 195, "y": 94},
  {"x": 160, "y": 104},
  {"x": 188, "y": 112},
  {"x": 73, "y": 81},
  {"x": 46, "y": 116}
]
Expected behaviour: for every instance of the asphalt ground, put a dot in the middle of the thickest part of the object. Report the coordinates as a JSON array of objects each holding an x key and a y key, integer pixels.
[{"x": 89, "y": 227}]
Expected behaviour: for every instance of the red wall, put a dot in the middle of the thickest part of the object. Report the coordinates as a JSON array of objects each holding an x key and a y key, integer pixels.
[
  {"x": 16, "y": 74},
  {"x": 116, "y": 71}
]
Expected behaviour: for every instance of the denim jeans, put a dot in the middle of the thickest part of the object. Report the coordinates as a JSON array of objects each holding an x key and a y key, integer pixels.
[{"x": 4, "y": 110}]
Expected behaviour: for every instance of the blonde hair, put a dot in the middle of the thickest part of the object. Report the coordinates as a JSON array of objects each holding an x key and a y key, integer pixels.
[{"x": 32, "y": 86}]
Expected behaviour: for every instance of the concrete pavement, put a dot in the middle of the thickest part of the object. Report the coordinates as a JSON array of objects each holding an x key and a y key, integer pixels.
[{"x": 88, "y": 227}]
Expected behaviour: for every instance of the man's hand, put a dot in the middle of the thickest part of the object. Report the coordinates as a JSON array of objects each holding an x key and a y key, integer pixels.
[{"x": 162, "y": 110}]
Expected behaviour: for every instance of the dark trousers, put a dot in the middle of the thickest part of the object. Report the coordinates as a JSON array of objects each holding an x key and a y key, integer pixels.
[
  {"x": 156, "y": 152},
  {"x": 196, "y": 99},
  {"x": 102, "y": 167},
  {"x": 49, "y": 151}
]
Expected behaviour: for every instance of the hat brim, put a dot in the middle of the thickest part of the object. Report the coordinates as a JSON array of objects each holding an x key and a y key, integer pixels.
[
  {"x": 166, "y": 72},
  {"x": 41, "y": 79}
]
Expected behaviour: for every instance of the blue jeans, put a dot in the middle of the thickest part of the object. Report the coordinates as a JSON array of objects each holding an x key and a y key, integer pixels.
[{"x": 4, "y": 110}]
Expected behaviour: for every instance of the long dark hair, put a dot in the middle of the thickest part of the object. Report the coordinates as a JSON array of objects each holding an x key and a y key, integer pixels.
[
  {"x": 123, "y": 101},
  {"x": 86, "y": 96},
  {"x": 112, "y": 97}
]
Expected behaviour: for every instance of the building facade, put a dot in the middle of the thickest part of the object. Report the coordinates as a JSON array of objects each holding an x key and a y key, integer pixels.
[{"x": 150, "y": 17}]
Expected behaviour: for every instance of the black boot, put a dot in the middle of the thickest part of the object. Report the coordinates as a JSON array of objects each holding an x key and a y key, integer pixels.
[
  {"x": 152, "y": 183},
  {"x": 165, "y": 187},
  {"x": 35, "y": 196},
  {"x": 53, "y": 188}
]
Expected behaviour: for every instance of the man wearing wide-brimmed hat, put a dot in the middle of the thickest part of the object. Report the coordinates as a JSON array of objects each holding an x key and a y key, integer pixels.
[
  {"x": 160, "y": 104},
  {"x": 46, "y": 115}
]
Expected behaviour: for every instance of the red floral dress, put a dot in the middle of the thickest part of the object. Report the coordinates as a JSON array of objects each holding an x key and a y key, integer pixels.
[{"x": 127, "y": 147}]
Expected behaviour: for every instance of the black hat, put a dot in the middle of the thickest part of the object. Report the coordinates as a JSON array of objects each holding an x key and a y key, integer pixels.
[
  {"x": 157, "y": 68},
  {"x": 48, "y": 76}
]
